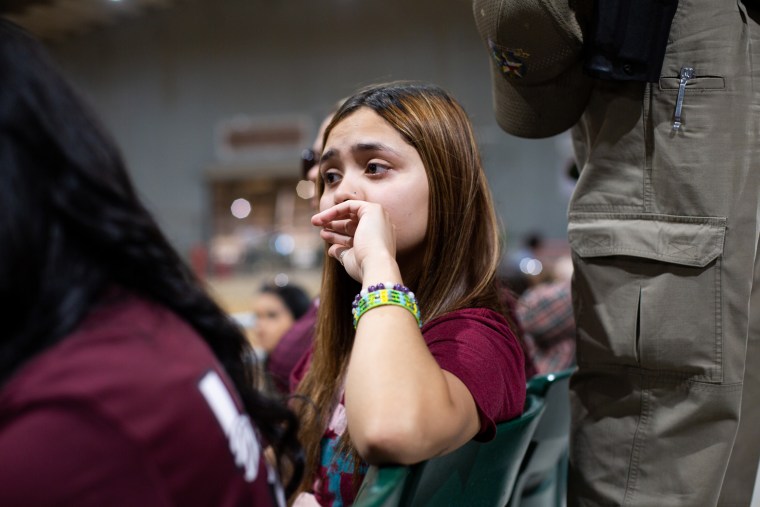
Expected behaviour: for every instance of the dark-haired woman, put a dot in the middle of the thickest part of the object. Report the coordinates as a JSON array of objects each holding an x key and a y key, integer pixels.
[
  {"x": 121, "y": 381},
  {"x": 276, "y": 309}
]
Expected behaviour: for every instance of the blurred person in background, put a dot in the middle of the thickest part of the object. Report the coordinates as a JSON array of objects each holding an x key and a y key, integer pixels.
[
  {"x": 310, "y": 156},
  {"x": 121, "y": 382},
  {"x": 275, "y": 310},
  {"x": 522, "y": 267},
  {"x": 291, "y": 348},
  {"x": 545, "y": 313}
]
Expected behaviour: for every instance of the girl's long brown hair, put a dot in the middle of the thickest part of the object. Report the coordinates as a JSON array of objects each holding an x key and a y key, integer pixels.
[{"x": 461, "y": 251}]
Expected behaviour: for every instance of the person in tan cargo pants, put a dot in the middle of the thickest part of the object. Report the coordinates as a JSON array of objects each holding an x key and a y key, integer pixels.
[
  {"x": 663, "y": 225},
  {"x": 664, "y": 228}
]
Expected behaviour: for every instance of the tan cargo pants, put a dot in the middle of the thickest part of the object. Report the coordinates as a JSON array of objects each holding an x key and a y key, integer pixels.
[{"x": 664, "y": 228}]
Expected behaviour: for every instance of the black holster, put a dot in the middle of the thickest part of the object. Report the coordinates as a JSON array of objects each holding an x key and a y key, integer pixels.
[{"x": 628, "y": 39}]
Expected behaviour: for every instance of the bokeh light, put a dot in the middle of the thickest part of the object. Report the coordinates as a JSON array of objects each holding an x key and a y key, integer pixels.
[{"x": 240, "y": 208}]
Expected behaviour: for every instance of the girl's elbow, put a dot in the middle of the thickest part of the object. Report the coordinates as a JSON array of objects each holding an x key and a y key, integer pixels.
[{"x": 389, "y": 442}]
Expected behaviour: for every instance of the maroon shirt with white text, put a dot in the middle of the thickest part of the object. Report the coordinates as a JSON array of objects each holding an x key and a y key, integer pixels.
[{"x": 132, "y": 409}]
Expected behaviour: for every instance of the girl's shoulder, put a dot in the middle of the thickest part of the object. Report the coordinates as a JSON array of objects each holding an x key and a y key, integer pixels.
[
  {"x": 483, "y": 319},
  {"x": 478, "y": 347}
]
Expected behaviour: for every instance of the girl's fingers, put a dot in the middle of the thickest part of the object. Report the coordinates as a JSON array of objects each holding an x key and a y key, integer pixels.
[
  {"x": 338, "y": 252},
  {"x": 347, "y": 259},
  {"x": 343, "y": 211},
  {"x": 345, "y": 227},
  {"x": 356, "y": 229},
  {"x": 336, "y": 239}
]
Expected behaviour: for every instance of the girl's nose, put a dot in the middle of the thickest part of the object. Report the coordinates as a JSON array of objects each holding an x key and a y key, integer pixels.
[{"x": 348, "y": 189}]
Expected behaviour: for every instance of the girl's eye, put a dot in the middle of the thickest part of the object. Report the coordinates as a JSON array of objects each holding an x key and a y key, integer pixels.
[
  {"x": 331, "y": 177},
  {"x": 375, "y": 168}
]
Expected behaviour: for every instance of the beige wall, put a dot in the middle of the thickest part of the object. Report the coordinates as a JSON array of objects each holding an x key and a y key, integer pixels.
[{"x": 162, "y": 81}]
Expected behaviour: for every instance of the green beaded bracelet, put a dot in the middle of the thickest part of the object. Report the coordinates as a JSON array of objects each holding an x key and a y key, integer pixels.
[{"x": 380, "y": 296}]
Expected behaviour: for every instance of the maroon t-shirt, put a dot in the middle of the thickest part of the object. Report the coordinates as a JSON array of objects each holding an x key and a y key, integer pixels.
[
  {"x": 478, "y": 347},
  {"x": 132, "y": 409}
]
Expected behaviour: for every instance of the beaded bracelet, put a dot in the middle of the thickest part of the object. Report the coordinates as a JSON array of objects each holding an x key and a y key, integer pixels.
[{"x": 378, "y": 295}]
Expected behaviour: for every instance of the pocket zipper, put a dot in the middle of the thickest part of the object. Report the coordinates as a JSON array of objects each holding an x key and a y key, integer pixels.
[{"x": 684, "y": 76}]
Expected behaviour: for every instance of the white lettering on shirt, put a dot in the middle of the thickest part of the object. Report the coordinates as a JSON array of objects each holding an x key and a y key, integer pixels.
[{"x": 244, "y": 445}]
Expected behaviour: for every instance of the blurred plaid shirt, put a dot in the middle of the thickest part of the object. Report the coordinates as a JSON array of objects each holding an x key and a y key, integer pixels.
[{"x": 546, "y": 315}]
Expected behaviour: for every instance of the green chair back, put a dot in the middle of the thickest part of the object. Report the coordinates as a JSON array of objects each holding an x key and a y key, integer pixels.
[
  {"x": 477, "y": 474},
  {"x": 542, "y": 477},
  {"x": 383, "y": 486}
]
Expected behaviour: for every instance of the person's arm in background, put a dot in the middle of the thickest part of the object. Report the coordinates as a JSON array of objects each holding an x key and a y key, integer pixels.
[{"x": 291, "y": 348}]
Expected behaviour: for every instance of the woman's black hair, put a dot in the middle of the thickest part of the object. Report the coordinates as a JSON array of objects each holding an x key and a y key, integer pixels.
[
  {"x": 293, "y": 297},
  {"x": 72, "y": 225}
]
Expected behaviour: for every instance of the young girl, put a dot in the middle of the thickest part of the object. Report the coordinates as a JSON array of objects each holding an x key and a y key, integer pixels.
[{"x": 425, "y": 361}]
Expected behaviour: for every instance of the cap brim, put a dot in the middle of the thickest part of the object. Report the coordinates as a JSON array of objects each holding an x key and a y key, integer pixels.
[{"x": 540, "y": 110}]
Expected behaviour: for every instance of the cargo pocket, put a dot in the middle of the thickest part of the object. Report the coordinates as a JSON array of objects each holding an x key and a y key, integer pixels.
[{"x": 647, "y": 291}]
